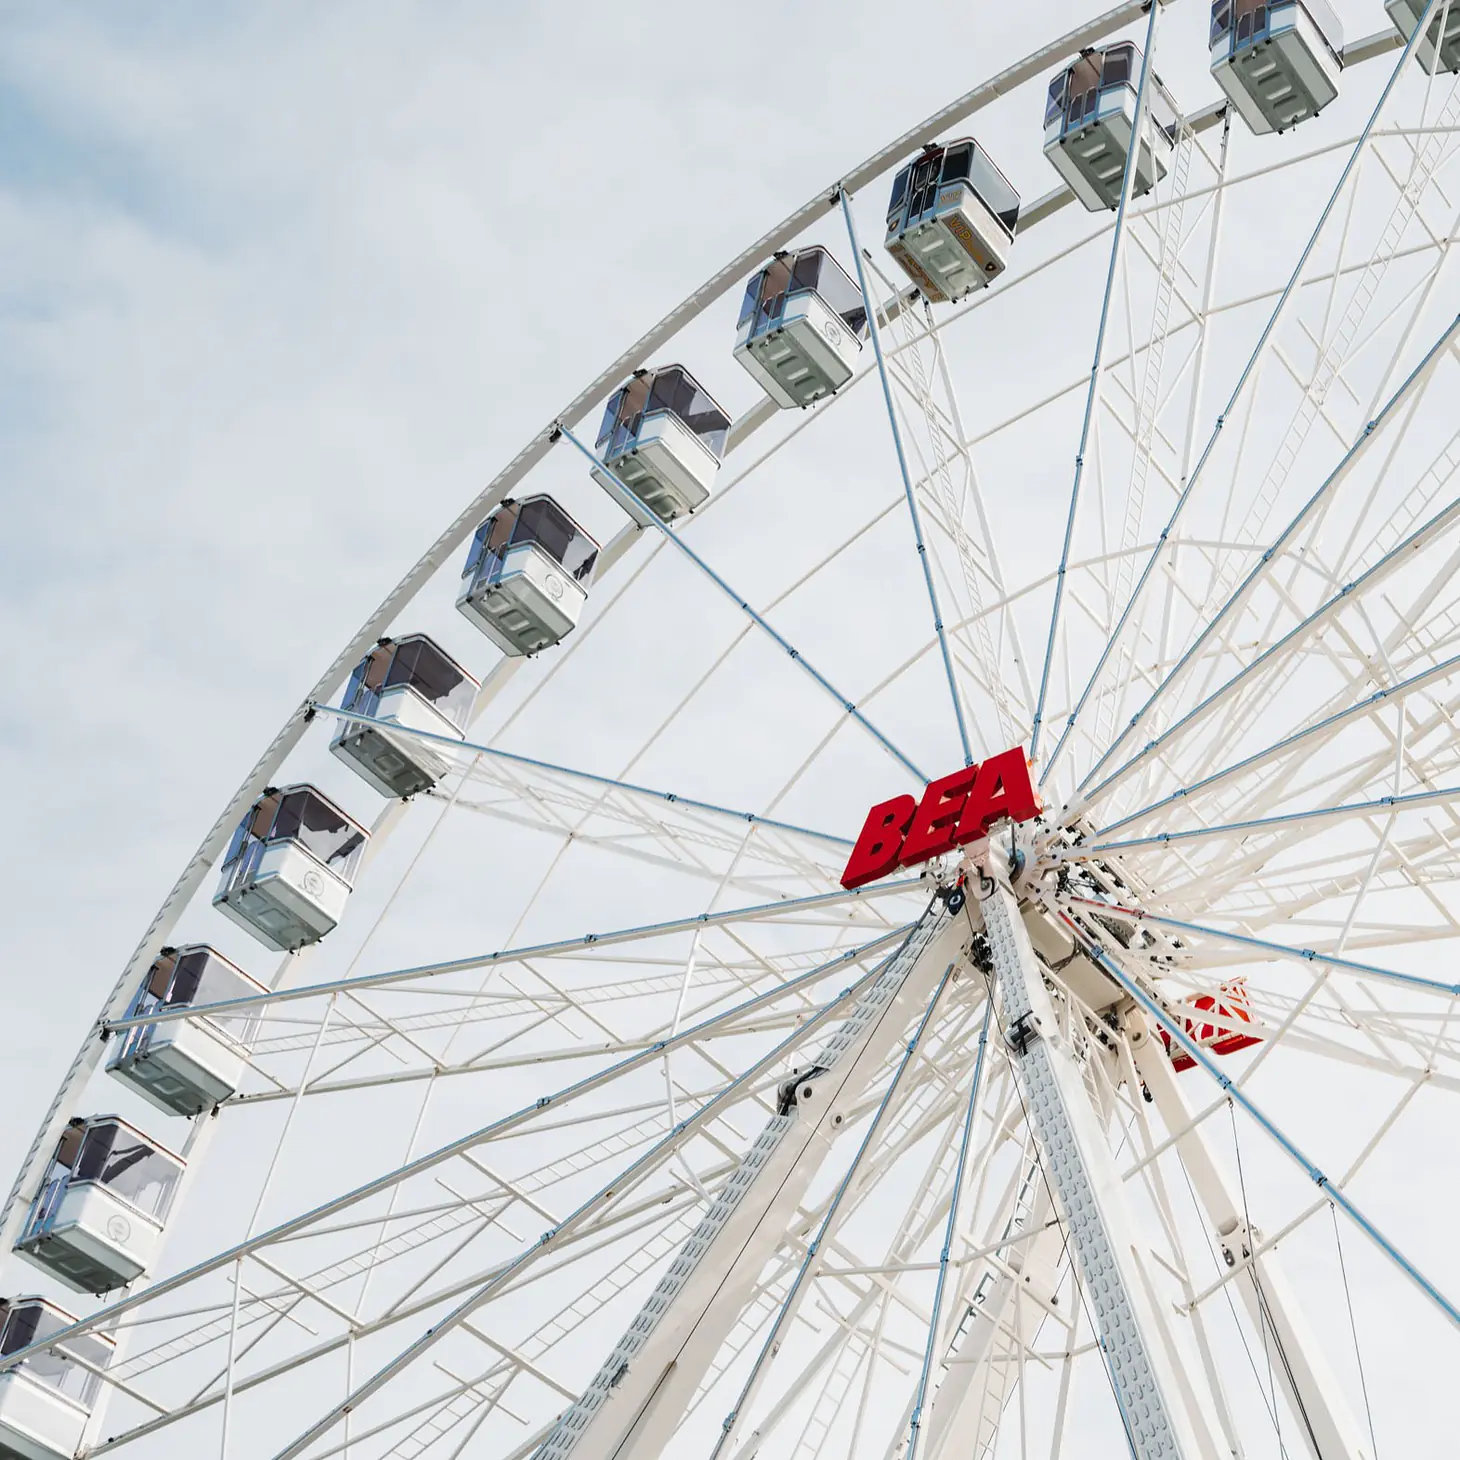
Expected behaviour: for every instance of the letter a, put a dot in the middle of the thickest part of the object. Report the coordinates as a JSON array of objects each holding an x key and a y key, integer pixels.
[
  {"x": 1003, "y": 788},
  {"x": 877, "y": 849}
]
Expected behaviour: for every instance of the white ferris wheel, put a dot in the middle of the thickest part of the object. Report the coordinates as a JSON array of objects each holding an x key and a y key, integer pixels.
[{"x": 1093, "y": 1093}]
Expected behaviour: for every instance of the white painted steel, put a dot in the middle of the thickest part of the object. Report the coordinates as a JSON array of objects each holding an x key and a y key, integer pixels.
[
  {"x": 396, "y": 765},
  {"x": 286, "y": 897},
  {"x": 637, "y": 1398},
  {"x": 807, "y": 354},
  {"x": 1087, "y": 1186},
  {"x": 560, "y": 1171}
]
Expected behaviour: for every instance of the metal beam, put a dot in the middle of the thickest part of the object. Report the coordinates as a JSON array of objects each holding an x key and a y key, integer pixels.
[
  {"x": 643, "y": 1388},
  {"x": 1082, "y": 1172},
  {"x": 1328, "y": 1428},
  {"x": 584, "y": 942}
]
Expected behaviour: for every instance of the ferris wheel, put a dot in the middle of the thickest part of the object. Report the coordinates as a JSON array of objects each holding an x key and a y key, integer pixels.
[{"x": 899, "y": 899}]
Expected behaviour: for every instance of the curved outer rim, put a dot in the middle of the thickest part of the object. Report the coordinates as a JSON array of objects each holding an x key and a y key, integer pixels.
[{"x": 89, "y": 1056}]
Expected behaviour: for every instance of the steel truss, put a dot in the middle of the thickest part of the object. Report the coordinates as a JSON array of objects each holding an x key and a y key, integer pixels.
[{"x": 739, "y": 1175}]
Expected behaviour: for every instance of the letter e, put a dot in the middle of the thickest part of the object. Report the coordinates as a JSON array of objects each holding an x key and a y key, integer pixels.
[{"x": 935, "y": 826}]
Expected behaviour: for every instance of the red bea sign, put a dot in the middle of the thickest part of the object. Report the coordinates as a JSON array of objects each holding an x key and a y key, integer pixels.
[{"x": 954, "y": 811}]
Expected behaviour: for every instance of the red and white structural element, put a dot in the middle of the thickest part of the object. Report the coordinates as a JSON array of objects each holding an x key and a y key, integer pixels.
[{"x": 1224, "y": 1029}]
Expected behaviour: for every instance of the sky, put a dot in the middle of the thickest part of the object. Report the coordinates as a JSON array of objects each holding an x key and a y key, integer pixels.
[{"x": 284, "y": 286}]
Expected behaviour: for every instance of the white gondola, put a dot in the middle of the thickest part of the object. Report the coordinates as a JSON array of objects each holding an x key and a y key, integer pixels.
[
  {"x": 187, "y": 1066},
  {"x": 1406, "y": 13},
  {"x": 951, "y": 220},
  {"x": 414, "y": 683},
  {"x": 662, "y": 436},
  {"x": 1278, "y": 63},
  {"x": 800, "y": 328},
  {"x": 46, "y": 1399},
  {"x": 97, "y": 1221},
  {"x": 527, "y": 575},
  {"x": 290, "y": 867},
  {"x": 1090, "y": 117}
]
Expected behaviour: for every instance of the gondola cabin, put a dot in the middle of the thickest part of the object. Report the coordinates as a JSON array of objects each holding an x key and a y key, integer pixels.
[
  {"x": 47, "y": 1399},
  {"x": 1435, "y": 51},
  {"x": 289, "y": 868},
  {"x": 191, "y": 1064},
  {"x": 951, "y": 220},
  {"x": 1089, "y": 120},
  {"x": 415, "y": 684},
  {"x": 801, "y": 327},
  {"x": 662, "y": 437},
  {"x": 527, "y": 575},
  {"x": 1278, "y": 63},
  {"x": 97, "y": 1221}
]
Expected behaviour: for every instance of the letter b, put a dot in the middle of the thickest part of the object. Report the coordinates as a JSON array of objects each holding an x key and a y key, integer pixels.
[{"x": 880, "y": 843}]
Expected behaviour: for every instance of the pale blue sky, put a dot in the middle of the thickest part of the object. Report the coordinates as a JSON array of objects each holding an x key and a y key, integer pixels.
[{"x": 283, "y": 285}]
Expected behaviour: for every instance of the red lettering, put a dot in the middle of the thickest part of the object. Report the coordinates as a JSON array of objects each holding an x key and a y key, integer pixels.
[
  {"x": 954, "y": 810},
  {"x": 877, "y": 849},
  {"x": 1003, "y": 789},
  {"x": 935, "y": 826}
]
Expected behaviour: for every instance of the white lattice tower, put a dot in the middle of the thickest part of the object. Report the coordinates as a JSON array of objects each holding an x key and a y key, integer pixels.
[{"x": 1144, "y": 430}]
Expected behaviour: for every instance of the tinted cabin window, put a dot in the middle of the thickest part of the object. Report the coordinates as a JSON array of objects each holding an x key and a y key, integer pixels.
[
  {"x": 221, "y": 981},
  {"x": 610, "y": 417},
  {"x": 191, "y": 968},
  {"x": 504, "y": 524},
  {"x": 1163, "y": 108},
  {"x": 160, "y": 975},
  {"x": 478, "y": 549},
  {"x": 1120, "y": 66},
  {"x": 840, "y": 294},
  {"x": 956, "y": 162},
  {"x": 751, "y": 301},
  {"x": 899, "y": 193},
  {"x": 324, "y": 831},
  {"x": 129, "y": 1167},
  {"x": 670, "y": 392},
  {"x": 677, "y": 391},
  {"x": 69, "y": 1146},
  {"x": 310, "y": 820},
  {"x": 808, "y": 269},
  {"x": 96, "y": 1147},
  {"x": 771, "y": 300},
  {"x": 236, "y": 841},
  {"x": 994, "y": 189},
  {"x": 924, "y": 184},
  {"x": 1082, "y": 94},
  {"x": 291, "y": 813},
  {"x": 420, "y": 664},
  {"x": 21, "y": 1325},
  {"x": 355, "y": 691},
  {"x": 1322, "y": 14},
  {"x": 1054, "y": 108},
  {"x": 545, "y": 523},
  {"x": 263, "y": 817},
  {"x": 35, "y": 1324},
  {"x": 580, "y": 557},
  {"x": 621, "y": 418}
]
